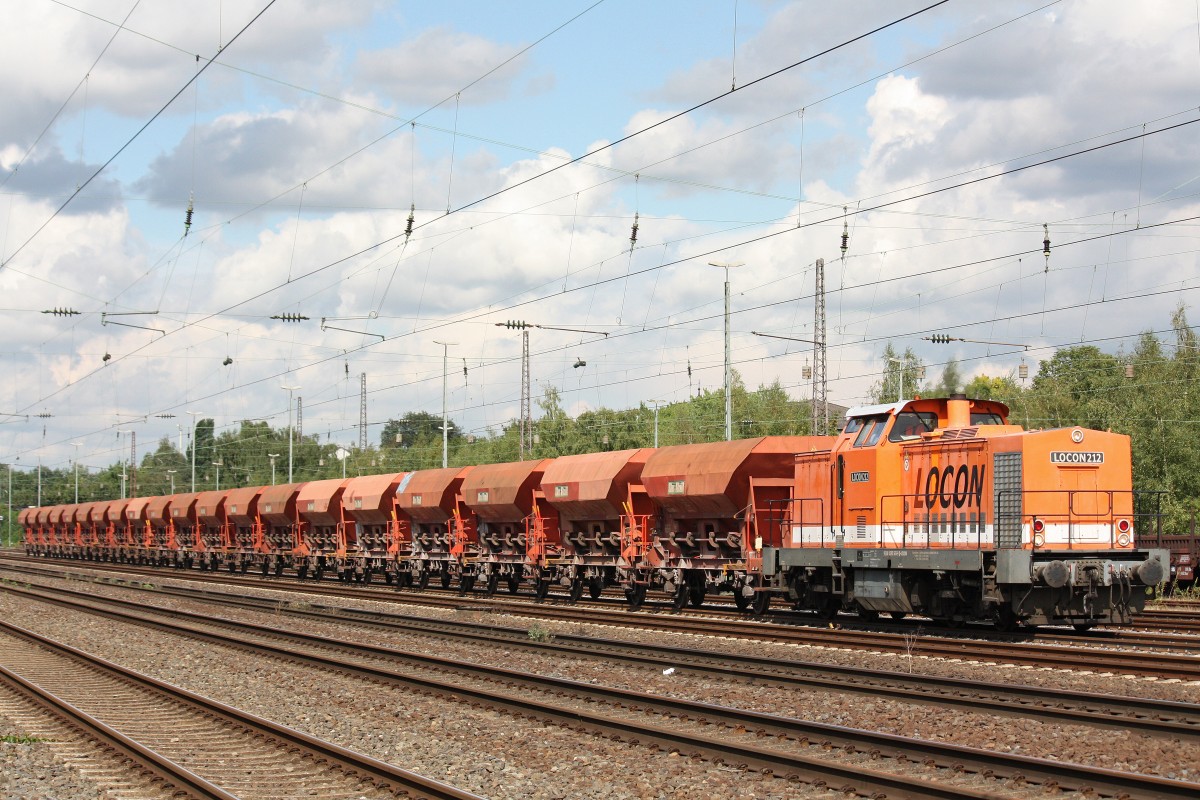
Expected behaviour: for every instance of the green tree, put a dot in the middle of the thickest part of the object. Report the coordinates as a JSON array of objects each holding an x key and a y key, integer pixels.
[{"x": 901, "y": 375}]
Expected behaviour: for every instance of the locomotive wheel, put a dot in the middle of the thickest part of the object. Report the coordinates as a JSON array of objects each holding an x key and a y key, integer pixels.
[
  {"x": 542, "y": 588},
  {"x": 868, "y": 615},
  {"x": 635, "y": 595},
  {"x": 423, "y": 581},
  {"x": 741, "y": 601},
  {"x": 897, "y": 615},
  {"x": 596, "y": 588},
  {"x": 696, "y": 596},
  {"x": 514, "y": 583},
  {"x": 576, "y": 590},
  {"x": 680, "y": 599},
  {"x": 831, "y": 608},
  {"x": 493, "y": 583},
  {"x": 1083, "y": 627}
]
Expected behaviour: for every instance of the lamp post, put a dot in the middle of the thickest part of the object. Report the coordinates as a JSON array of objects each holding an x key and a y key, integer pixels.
[
  {"x": 656, "y": 403},
  {"x": 195, "y": 416},
  {"x": 899, "y": 363},
  {"x": 124, "y": 463},
  {"x": 172, "y": 472},
  {"x": 272, "y": 456},
  {"x": 445, "y": 429},
  {"x": 76, "y": 445},
  {"x": 291, "y": 433},
  {"x": 218, "y": 464},
  {"x": 728, "y": 377}
]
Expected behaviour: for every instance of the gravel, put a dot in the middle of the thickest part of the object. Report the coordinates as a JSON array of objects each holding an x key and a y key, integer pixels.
[{"x": 499, "y": 756}]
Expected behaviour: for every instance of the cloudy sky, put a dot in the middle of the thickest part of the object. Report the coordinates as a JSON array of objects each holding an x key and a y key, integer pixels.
[{"x": 527, "y": 138}]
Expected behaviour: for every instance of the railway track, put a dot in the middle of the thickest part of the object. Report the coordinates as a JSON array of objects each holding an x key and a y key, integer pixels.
[
  {"x": 858, "y": 761},
  {"x": 197, "y": 747},
  {"x": 1143, "y": 715},
  {"x": 1074, "y": 652}
]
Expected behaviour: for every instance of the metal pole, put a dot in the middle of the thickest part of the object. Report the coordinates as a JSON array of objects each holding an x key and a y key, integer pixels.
[
  {"x": 272, "y": 456},
  {"x": 291, "y": 434},
  {"x": 217, "y": 464},
  {"x": 8, "y": 527},
  {"x": 76, "y": 445},
  {"x": 656, "y": 425},
  {"x": 728, "y": 394},
  {"x": 195, "y": 416},
  {"x": 728, "y": 367},
  {"x": 39, "y": 499},
  {"x": 445, "y": 424},
  {"x": 171, "y": 472}
]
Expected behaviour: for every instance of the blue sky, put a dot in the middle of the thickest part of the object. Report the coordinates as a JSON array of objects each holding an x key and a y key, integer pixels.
[{"x": 294, "y": 212}]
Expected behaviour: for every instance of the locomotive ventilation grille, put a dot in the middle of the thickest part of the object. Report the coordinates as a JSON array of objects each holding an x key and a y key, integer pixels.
[{"x": 1007, "y": 505}]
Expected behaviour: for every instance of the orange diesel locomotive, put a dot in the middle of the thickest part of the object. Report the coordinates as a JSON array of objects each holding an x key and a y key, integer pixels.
[{"x": 936, "y": 507}]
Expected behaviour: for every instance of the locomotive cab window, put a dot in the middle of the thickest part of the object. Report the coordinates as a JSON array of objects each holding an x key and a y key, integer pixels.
[
  {"x": 911, "y": 424},
  {"x": 872, "y": 429},
  {"x": 986, "y": 418}
]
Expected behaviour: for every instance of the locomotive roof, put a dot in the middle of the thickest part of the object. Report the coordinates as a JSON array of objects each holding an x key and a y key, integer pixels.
[{"x": 897, "y": 407}]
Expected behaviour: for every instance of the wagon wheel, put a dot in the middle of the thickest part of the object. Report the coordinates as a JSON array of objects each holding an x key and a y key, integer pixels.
[
  {"x": 278, "y": 568},
  {"x": 680, "y": 599},
  {"x": 388, "y": 577},
  {"x": 760, "y": 603},
  {"x": 542, "y": 588},
  {"x": 635, "y": 595},
  {"x": 514, "y": 583},
  {"x": 740, "y": 600},
  {"x": 493, "y": 582},
  {"x": 446, "y": 579},
  {"x": 396, "y": 579},
  {"x": 595, "y": 588},
  {"x": 466, "y": 583},
  {"x": 302, "y": 572},
  {"x": 423, "y": 580},
  {"x": 897, "y": 615},
  {"x": 319, "y": 573},
  {"x": 696, "y": 596},
  {"x": 367, "y": 577},
  {"x": 576, "y": 590}
]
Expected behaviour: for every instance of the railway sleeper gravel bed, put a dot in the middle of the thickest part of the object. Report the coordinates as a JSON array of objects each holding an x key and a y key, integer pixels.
[
  {"x": 1160, "y": 717},
  {"x": 956, "y": 768},
  {"x": 183, "y": 737},
  {"x": 1168, "y": 666},
  {"x": 1182, "y": 661}
]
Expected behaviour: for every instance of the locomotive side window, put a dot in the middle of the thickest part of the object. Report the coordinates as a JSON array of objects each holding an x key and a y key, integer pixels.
[
  {"x": 911, "y": 424},
  {"x": 871, "y": 431},
  {"x": 986, "y": 418},
  {"x": 853, "y": 424}
]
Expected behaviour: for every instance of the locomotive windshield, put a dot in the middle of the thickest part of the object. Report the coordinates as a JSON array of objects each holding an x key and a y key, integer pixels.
[{"x": 911, "y": 424}]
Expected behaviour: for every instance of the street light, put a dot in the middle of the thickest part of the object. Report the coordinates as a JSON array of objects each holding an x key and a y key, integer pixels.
[
  {"x": 76, "y": 445},
  {"x": 445, "y": 430},
  {"x": 124, "y": 463},
  {"x": 900, "y": 363},
  {"x": 218, "y": 463},
  {"x": 656, "y": 403},
  {"x": 195, "y": 416},
  {"x": 728, "y": 377},
  {"x": 172, "y": 472},
  {"x": 272, "y": 456},
  {"x": 291, "y": 434}
]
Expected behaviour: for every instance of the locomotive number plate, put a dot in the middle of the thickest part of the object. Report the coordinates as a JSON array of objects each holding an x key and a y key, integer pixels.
[
  {"x": 860, "y": 477},
  {"x": 1071, "y": 457}
]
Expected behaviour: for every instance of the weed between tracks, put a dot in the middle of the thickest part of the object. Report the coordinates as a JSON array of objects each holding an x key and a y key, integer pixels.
[
  {"x": 538, "y": 633},
  {"x": 13, "y": 739}
]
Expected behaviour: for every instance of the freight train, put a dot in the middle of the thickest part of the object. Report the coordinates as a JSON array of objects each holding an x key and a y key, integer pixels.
[{"x": 932, "y": 507}]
